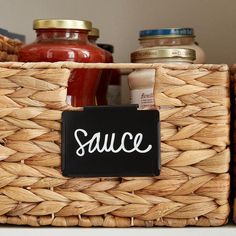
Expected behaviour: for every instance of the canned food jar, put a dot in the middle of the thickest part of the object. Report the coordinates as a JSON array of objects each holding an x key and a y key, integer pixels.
[
  {"x": 67, "y": 40},
  {"x": 174, "y": 38},
  {"x": 113, "y": 79},
  {"x": 93, "y": 35},
  {"x": 141, "y": 81},
  {"x": 101, "y": 94}
]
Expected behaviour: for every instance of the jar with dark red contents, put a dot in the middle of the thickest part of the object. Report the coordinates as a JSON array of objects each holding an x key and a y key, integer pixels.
[
  {"x": 114, "y": 81},
  {"x": 67, "y": 40},
  {"x": 94, "y": 35},
  {"x": 101, "y": 94},
  {"x": 114, "y": 88}
]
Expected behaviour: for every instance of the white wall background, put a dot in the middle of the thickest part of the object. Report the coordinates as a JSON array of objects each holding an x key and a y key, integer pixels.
[{"x": 119, "y": 21}]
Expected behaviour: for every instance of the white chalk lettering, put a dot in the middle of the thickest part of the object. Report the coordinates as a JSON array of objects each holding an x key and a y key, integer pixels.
[{"x": 94, "y": 144}]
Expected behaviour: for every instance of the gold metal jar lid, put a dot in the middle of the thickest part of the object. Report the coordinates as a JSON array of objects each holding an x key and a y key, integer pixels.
[
  {"x": 163, "y": 53},
  {"x": 94, "y": 33},
  {"x": 62, "y": 24}
]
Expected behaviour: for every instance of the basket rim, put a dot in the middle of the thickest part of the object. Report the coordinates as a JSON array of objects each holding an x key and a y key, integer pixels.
[{"x": 76, "y": 65}]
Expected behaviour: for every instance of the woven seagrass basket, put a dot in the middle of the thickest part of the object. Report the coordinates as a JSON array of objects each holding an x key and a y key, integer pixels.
[
  {"x": 193, "y": 188},
  {"x": 9, "y": 49}
]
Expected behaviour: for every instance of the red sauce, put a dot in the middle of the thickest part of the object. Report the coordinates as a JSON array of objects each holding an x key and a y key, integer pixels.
[{"x": 53, "y": 45}]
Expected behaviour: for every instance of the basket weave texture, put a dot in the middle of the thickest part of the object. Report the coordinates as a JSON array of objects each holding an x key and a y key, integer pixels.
[
  {"x": 193, "y": 187},
  {"x": 233, "y": 73},
  {"x": 9, "y": 48}
]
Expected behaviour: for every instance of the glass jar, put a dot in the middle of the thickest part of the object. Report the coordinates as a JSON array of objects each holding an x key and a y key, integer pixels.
[
  {"x": 101, "y": 94},
  {"x": 113, "y": 79},
  {"x": 67, "y": 40},
  {"x": 114, "y": 88},
  {"x": 107, "y": 80},
  {"x": 94, "y": 35},
  {"x": 141, "y": 81},
  {"x": 172, "y": 37}
]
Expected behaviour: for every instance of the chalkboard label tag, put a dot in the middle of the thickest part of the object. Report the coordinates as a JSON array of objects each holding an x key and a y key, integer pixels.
[{"x": 110, "y": 141}]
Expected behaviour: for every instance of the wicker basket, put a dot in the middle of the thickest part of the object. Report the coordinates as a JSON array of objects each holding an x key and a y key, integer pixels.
[
  {"x": 9, "y": 48},
  {"x": 193, "y": 187}
]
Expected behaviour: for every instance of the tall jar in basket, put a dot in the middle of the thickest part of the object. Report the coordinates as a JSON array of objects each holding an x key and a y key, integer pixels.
[
  {"x": 141, "y": 81},
  {"x": 67, "y": 40}
]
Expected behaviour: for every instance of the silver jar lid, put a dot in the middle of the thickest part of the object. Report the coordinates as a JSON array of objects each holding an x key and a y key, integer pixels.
[
  {"x": 166, "y": 33},
  {"x": 163, "y": 53}
]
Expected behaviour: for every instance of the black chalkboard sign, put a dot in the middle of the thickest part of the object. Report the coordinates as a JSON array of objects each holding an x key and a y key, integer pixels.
[{"x": 110, "y": 141}]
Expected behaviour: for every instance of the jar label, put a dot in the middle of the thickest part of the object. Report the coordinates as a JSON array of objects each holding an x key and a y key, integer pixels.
[
  {"x": 143, "y": 97},
  {"x": 113, "y": 95}
]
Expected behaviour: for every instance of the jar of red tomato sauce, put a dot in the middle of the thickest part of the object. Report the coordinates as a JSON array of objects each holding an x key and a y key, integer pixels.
[
  {"x": 67, "y": 40},
  {"x": 101, "y": 94}
]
